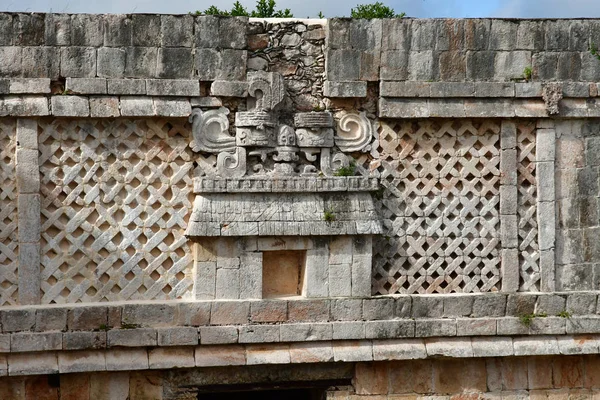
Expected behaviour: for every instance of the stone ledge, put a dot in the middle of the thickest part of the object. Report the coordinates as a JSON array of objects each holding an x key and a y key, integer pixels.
[
  {"x": 484, "y": 108},
  {"x": 289, "y": 185},
  {"x": 119, "y": 359}
]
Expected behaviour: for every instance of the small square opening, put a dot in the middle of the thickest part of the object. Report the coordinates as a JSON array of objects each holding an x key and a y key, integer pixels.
[{"x": 283, "y": 273}]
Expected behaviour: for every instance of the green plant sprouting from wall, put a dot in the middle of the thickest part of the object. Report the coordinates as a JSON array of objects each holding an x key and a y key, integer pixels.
[
  {"x": 594, "y": 50},
  {"x": 328, "y": 216},
  {"x": 527, "y": 73},
  {"x": 349, "y": 170},
  {"x": 527, "y": 319}
]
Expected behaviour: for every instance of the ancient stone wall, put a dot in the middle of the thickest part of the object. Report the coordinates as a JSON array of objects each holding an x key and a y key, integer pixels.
[{"x": 180, "y": 193}]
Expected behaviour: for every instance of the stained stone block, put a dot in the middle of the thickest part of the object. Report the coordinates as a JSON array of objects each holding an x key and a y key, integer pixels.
[
  {"x": 70, "y": 106},
  {"x": 84, "y": 340},
  {"x": 179, "y": 336},
  {"x": 378, "y": 309},
  {"x": 41, "y": 62},
  {"x": 145, "y": 30},
  {"x": 403, "y": 108},
  {"x": 81, "y": 361},
  {"x": 139, "y": 337},
  {"x": 389, "y": 329},
  {"x": 581, "y": 303},
  {"x": 172, "y": 87},
  {"x": 530, "y": 35},
  {"x": 492, "y": 347},
  {"x": 87, "y": 318},
  {"x": 23, "y": 342},
  {"x": 87, "y": 30},
  {"x": 141, "y": 62},
  {"x": 259, "y": 334},
  {"x": 33, "y": 364},
  {"x": 218, "y": 334},
  {"x": 111, "y": 62},
  {"x": 232, "y": 32},
  {"x": 345, "y": 89},
  {"x": 233, "y": 65},
  {"x": 29, "y": 29},
  {"x": 207, "y": 63},
  {"x": 229, "y": 89},
  {"x": 50, "y": 319},
  {"x": 306, "y": 332},
  {"x": 176, "y": 30},
  {"x": 342, "y": 65},
  {"x": 6, "y": 29},
  {"x": 117, "y": 30},
  {"x": 435, "y": 327},
  {"x": 136, "y": 106},
  {"x": 503, "y": 35},
  {"x": 57, "y": 30},
  {"x": 427, "y": 307},
  {"x": 174, "y": 63},
  {"x": 11, "y": 64},
  {"x": 41, "y": 85},
  {"x": 569, "y": 66},
  {"x": 489, "y": 305},
  {"x": 29, "y": 217},
  {"x": 528, "y": 89},
  {"x": 17, "y": 320},
  {"x": 458, "y": 306},
  {"x": 126, "y": 360},
  {"x": 78, "y": 62},
  {"x": 480, "y": 65},
  {"x": 348, "y": 330},
  {"x": 104, "y": 107},
  {"x": 340, "y": 280}
]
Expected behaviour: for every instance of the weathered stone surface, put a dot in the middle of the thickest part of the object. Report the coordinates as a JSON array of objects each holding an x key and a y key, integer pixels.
[{"x": 70, "y": 106}]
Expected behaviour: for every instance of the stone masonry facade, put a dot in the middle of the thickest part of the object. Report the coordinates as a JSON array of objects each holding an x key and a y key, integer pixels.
[{"x": 388, "y": 209}]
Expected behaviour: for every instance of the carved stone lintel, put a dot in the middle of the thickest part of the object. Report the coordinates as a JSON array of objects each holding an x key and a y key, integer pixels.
[
  {"x": 313, "y": 120},
  {"x": 315, "y": 137},
  {"x": 355, "y": 133},
  {"x": 255, "y": 129},
  {"x": 232, "y": 165},
  {"x": 210, "y": 130}
]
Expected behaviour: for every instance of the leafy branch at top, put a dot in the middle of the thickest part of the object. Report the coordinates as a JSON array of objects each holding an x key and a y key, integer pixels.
[
  {"x": 374, "y": 10},
  {"x": 264, "y": 9}
]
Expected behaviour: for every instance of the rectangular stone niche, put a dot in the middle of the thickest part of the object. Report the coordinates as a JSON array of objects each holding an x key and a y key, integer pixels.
[
  {"x": 283, "y": 273},
  {"x": 278, "y": 267}
]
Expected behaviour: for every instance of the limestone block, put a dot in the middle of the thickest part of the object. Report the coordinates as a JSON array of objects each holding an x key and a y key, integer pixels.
[
  {"x": 104, "y": 107},
  {"x": 126, "y": 359},
  {"x": 259, "y": 334},
  {"x": 172, "y": 87},
  {"x": 427, "y": 307},
  {"x": 218, "y": 334},
  {"x": 146, "y": 30},
  {"x": 489, "y": 305},
  {"x": 488, "y": 108},
  {"x": 27, "y": 134},
  {"x": 435, "y": 327},
  {"x": 22, "y": 342},
  {"x": 340, "y": 280},
  {"x": 348, "y": 330},
  {"x": 361, "y": 275},
  {"x": 81, "y": 361},
  {"x": 251, "y": 271},
  {"x": 401, "y": 349},
  {"x": 511, "y": 64},
  {"x": 403, "y": 307},
  {"x": 569, "y": 345},
  {"x": 480, "y": 65},
  {"x": 216, "y": 356},
  {"x": 174, "y": 63},
  {"x": 6, "y": 30},
  {"x": 520, "y": 304},
  {"x": 421, "y": 65},
  {"x": 149, "y": 315},
  {"x": 508, "y": 166},
  {"x": 228, "y": 283},
  {"x": 378, "y": 309},
  {"x": 205, "y": 282},
  {"x": 133, "y": 106},
  {"x": 306, "y": 332},
  {"x": 172, "y": 107},
  {"x": 539, "y": 345},
  {"x": 5, "y": 343},
  {"x": 132, "y": 337},
  {"x": 78, "y": 62},
  {"x": 475, "y": 327},
  {"x": 403, "y": 108},
  {"x": 352, "y": 351},
  {"x": 13, "y": 55},
  {"x": 86, "y": 85},
  {"x": 87, "y": 30},
  {"x": 28, "y": 179},
  {"x": 345, "y": 89},
  {"x": 178, "y": 336},
  {"x": 127, "y": 86},
  {"x": 511, "y": 326},
  {"x": 577, "y": 325},
  {"x": 32, "y": 364},
  {"x": 84, "y": 340},
  {"x": 50, "y": 319},
  {"x": 117, "y": 30},
  {"x": 29, "y": 29},
  {"x": 389, "y": 329},
  {"x": 581, "y": 303},
  {"x": 268, "y": 354},
  {"x": 193, "y": 314},
  {"x": 17, "y": 320},
  {"x": 229, "y": 89},
  {"x": 494, "y": 89},
  {"x": 140, "y": 62},
  {"x": 508, "y": 199},
  {"x": 27, "y": 106},
  {"x": 510, "y": 269},
  {"x": 176, "y": 30},
  {"x": 311, "y": 352},
  {"x": 548, "y": 325},
  {"x": 492, "y": 347},
  {"x": 86, "y": 318},
  {"x": 449, "y": 347},
  {"x": 105, "y": 386},
  {"x": 452, "y": 89},
  {"x": 394, "y": 67},
  {"x": 316, "y": 272},
  {"x": 508, "y": 231},
  {"x": 29, "y": 85},
  {"x": 171, "y": 357},
  {"x": 342, "y": 65},
  {"x": 347, "y": 309},
  {"x": 457, "y": 306},
  {"x": 308, "y": 310},
  {"x": 446, "y": 108},
  {"x": 528, "y": 89},
  {"x": 70, "y": 106}
]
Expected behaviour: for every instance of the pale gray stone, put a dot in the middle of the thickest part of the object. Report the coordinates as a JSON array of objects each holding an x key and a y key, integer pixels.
[
  {"x": 348, "y": 330},
  {"x": 84, "y": 340},
  {"x": 577, "y": 325},
  {"x": 30, "y": 85},
  {"x": 571, "y": 345},
  {"x": 251, "y": 271},
  {"x": 346, "y": 309},
  {"x": 389, "y": 329},
  {"x": 535, "y": 346},
  {"x": 316, "y": 272},
  {"x": 174, "y": 62},
  {"x": 81, "y": 361},
  {"x": 17, "y": 320},
  {"x": 218, "y": 334},
  {"x": 547, "y": 325},
  {"x": 403, "y": 108},
  {"x": 78, "y": 62},
  {"x": 494, "y": 89},
  {"x": 492, "y": 346},
  {"x": 87, "y": 318},
  {"x": 489, "y": 305},
  {"x": 27, "y": 133},
  {"x": 87, "y": 30},
  {"x": 340, "y": 280},
  {"x": 29, "y": 273},
  {"x": 172, "y": 107},
  {"x": 126, "y": 359},
  {"x": 405, "y": 89},
  {"x": 229, "y": 89},
  {"x": 452, "y": 89},
  {"x": 176, "y": 30},
  {"x": 306, "y": 332},
  {"x": 581, "y": 303},
  {"x": 70, "y": 106},
  {"x": 50, "y": 319},
  {"x": 403, "y": 349},
  {"x": 260, "y": 334},
  {"x": 146, "y": 30},
  {"x": 345, "y": 89},
  {"x": 26, "y": 106},
  {"x": 172, "y": 87},
  {"x": 149, "y": 315},
  {"x": 528, "y": 89},
  {"x": 228, "y": 284},
  {"x": 104, "y": 107},
  {"x": 508, "y": 231},
  {"x": 28, "y": 177},
  {"x": 140, "y": 62},
  {"x": 508, "y": 199},
  {"x": 378, "y": 309},
  {"x": 29, "y": 218},
  {"x": 12, "y": 66},
  {"x": 22, "y": 342},
  {"x": 206, "y": 280},
  {"x": 361, "y": 276},
  {"x": 435, "y": 327},
  {"x": 127, "y": 86},
  {"x": 138, "y": 337},
  {"x": 32, "y": 364},
  {"x": 86, "y": 85},
  {"x": 353, "y": 351},
  {"x": 449, "y": 347},
  {"x": 475, "y": 327},
  {"x": 427, "y": 307},
  {"x": 133, "y": 106}
]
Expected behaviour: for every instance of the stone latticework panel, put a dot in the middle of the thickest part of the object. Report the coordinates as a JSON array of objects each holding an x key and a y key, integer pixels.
[
  {"x": 115, "y": 202},
  {"x": 440, "y": 207},
  {"x": 8, "y": 215},
  {"x": 529, "y": 253}
]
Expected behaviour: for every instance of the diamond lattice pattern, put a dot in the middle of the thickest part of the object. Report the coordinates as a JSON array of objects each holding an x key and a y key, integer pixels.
[
  {"x": 115, "y": 198},
  {"x": 8, "y": 214},
  {"x": 529, "y": 254},
  {"x": 440, "y": 207}
]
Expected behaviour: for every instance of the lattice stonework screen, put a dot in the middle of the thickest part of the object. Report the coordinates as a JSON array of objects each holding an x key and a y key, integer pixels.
[
  {"x": 115, "y": 198},
  {"x": 440, "y": 207},
  {"x": 8, "y": 214},
  {"x": 529, "y": 254}
]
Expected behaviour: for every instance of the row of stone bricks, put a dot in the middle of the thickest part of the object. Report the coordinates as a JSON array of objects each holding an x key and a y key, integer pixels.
[
  {"x": 123, "y": 62},
  {"x": 314, "y": 352},
  {"x": 485, "y": 108},
  {"x": 101, "y": 106},
  {"x": 483, "y": 89},
  {"x": 300, "y": 332},
  {"x": 120, "y": 30},
  {"x": 463, "y": 34},
  {"x": 241, "y": 312}
]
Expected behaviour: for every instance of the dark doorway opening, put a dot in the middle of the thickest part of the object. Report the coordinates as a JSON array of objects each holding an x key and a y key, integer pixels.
[{"x": 271, "y": 394}]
